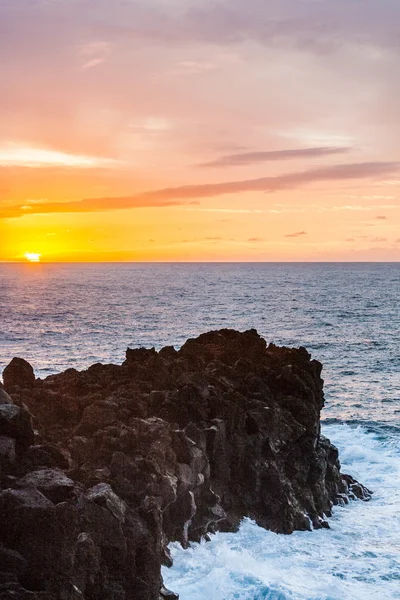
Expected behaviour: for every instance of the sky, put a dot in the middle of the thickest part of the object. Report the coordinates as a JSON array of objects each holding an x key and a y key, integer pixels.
[{"x": 200, "y": 130}]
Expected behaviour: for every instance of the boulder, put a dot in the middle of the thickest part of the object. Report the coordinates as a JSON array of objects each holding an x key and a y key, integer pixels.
[
  {"x": 4, "y": 397},
  {"x": 52, "y": 483},
  {"x": 167, "y": 594},
  {"x": 356, "y": 489},
  {"x": 97, "y": 416},
  {"x": 47, "y": 455},
  {"x": 11, "y": 561},
  {"x": 15, "y": 422},
  {"x": 103, "y": 495},
  {"x": 7, "y": 450},
  {"x": 18, "y": 374}
]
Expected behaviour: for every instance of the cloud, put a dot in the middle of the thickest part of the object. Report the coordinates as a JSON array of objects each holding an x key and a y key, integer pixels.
[
  {"x": 296, "y": 234},
  {"x": 248, "y": 158},
  {"x": 191, "y": 67},
  {"x": 367, "y": 238},
  {"x": 95, "y": 49},
  {"x": 139, "y": 41},
  {"x": 188, "y": 194},
  {"x": 93, "y": 54},
  {"x": 92, "y": 63},
  {"x": 381, "y": 218},
  {"x": 319, "y": 26},
  {"x": 256, "y": 239},
  {"x": 85, "y": 206},
  {"x": 272, "y": 184},
  {"x": 228, "y": 210},
  {"x": 12, "y": 155}
]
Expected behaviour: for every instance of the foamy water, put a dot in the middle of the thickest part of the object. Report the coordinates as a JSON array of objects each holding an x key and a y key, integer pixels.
[
  {"x": 347, "y": 315},
  {"x": 358, "y": 558}
]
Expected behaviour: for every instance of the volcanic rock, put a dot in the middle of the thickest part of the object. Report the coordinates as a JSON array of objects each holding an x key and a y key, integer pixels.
[
  {"x": 18, "y": 374},
  {"x": 169, "y": 446},
  {"x": 52, "y": 483},
  {"x": 15, "y": 422},
  {"x": 4, "y": 397}
]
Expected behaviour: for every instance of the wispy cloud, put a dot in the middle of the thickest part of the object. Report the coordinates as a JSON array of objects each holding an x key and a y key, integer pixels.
[
  {"x": 93, "y": 54},
  {"x": 248, "y": 158},
  {"x": 89, "y": 205},
  {"x": 92, "y": 63},
  {"x": 14, "y": 155},
  {"x": 283, "y": 22},
  {"x": 340, "y": 172},
  {"x": 228, "y": 210},
  {"x": 192, "y": 67},
  {"x": 188, "y": 194},
  {"x": 295, "y": 234}
]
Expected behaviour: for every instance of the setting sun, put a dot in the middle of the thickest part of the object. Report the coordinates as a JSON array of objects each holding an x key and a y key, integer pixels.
[{"x": 32, "y": 257}]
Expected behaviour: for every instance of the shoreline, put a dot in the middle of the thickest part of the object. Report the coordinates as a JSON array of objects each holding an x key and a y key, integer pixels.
[{"x": 169, "y": 446}]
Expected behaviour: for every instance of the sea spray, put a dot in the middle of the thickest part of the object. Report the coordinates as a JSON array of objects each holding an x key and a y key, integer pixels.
[{"x": 357, "y": 559}]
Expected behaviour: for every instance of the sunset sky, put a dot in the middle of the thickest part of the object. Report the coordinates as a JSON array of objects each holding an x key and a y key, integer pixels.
[{"x": 257, "y": 130}]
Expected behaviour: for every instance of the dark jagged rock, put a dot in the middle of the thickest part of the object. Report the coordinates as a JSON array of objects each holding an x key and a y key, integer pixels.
[
  {"x": 15, "y": 422},
  {"x": 4, "y": 397},
  {"x": 52, "y": 483},
  {"x": 18, "y": 374},
  {"x": 354, "y": 489},
  {"x": 169, "y": 446}
]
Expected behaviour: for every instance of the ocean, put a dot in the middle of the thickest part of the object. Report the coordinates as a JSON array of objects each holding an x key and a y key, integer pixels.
[{"x": 346, "y": 314}]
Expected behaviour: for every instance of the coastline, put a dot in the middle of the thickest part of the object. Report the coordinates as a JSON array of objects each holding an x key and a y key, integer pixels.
[{"x": 170, "y": 446}]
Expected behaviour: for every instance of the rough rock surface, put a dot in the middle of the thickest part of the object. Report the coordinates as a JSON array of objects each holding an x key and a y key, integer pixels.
[{"x": 168, "y": 446}]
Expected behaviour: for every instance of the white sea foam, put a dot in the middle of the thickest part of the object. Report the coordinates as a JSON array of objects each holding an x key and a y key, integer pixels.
[{"x": 357, "y": 559}]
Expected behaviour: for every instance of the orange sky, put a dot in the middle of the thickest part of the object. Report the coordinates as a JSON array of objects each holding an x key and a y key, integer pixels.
[{"x": 199, "y": 130}]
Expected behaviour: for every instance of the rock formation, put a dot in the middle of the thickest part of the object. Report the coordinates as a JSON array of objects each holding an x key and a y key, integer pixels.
[{"x": 101, "y": 469}]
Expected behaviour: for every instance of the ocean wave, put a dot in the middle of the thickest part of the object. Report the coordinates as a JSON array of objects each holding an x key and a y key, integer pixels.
[
  {"x": 357, "y": 559},
  {"x": 376, "y": 427}
]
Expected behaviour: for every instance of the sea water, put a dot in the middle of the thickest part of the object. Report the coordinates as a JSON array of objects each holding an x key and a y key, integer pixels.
[{"x": 347, "y": 315}]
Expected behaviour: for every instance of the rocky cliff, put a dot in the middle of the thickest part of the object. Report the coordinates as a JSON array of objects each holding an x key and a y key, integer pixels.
[{"x": 101, "y": 469}]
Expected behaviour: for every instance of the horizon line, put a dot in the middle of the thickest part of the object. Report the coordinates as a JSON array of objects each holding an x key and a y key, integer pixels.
[{"x": 188, "y": 262}]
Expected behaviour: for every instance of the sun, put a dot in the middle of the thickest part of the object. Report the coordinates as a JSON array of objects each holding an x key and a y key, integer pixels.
[{"x": 33, "y": 257}]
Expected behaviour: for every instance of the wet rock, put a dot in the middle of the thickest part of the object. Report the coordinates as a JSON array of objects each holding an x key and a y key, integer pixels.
[
  {"x": 167, "y": 594},
  {"x": 356, "y": 489},
  {"x": 319, "y": 523}
]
